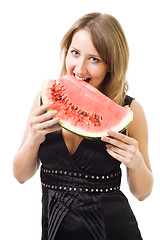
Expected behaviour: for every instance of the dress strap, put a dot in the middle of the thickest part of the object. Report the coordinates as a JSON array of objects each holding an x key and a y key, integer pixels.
[{"x": 128, "y": 100}]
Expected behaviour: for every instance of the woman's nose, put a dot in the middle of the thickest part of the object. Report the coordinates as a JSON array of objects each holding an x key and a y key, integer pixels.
[{"x": 81, "y": 67}]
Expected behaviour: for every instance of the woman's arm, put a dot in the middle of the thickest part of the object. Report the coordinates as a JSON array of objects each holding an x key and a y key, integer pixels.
[
  {"x": 140, "y": 177},
  {"x": 132, "y": 150},
  {"x": 26, "y": 160}
]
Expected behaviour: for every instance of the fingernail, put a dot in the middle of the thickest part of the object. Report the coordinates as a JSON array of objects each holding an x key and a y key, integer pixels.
[
  {"x": 103, "y": 138},
  {"x": 109, "y": 132}
]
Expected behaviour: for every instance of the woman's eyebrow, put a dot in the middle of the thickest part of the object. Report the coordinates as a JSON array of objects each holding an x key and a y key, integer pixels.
[{"x": 74, "y": 48}]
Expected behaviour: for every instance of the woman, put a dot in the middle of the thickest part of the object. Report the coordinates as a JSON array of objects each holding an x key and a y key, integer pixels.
[{"x": 81, "y": 177}]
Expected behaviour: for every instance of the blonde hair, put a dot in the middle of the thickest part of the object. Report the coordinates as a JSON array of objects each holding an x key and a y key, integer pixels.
[{"x": 110, "y": 42}]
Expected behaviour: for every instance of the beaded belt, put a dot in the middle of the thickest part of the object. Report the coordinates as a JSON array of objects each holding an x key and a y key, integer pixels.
[{"x": 80, "y": 182}]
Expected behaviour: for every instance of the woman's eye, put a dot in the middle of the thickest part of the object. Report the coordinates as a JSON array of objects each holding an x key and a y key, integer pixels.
[
  {"x": 93, "y": 59},
  {"x": 75, "y": 53}
]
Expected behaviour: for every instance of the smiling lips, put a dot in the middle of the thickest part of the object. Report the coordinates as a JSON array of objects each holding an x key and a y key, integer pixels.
[{"x": 81, "y": 78}]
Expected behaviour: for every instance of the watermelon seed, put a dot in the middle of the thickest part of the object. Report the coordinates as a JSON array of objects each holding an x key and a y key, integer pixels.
[
  {"x": 53, "y": 90},
  {"x": 72, "y": 107},
  {"x": 54, "y": 94},
  {"x": 95, "y": 120},
  {"x": 84, "y": 114},
  {"x": 80, "y": 112}
]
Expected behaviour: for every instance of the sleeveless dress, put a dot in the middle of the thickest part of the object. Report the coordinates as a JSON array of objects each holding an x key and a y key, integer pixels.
[{"x": 81, "y": 197}]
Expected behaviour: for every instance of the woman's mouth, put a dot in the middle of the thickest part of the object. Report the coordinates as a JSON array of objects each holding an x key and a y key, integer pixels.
[{"x": 82, "y": 78}]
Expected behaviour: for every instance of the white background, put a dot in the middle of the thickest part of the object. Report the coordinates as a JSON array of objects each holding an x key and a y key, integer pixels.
[{"x": 30, "y": 34}]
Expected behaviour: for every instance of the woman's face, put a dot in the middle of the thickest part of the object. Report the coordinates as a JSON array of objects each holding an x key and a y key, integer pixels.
[{"x": 84, "y": 62}]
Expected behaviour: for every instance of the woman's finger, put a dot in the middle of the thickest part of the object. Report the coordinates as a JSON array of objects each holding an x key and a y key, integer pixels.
[
  {"x": 53, "y": 129},
  {"x": 116, "y": 142},
  {"x": 46, "y": 116},
  {"x": 49, "y": 123},
  {"x": 42, "y": 118},
  {"x": 119, "y": 151},
  {"x": 126, "y": 139},
  {"x": 116, "y": 150},
  {"x": 119, "y": 136},
  {"x": 118, "y": 157},
  {"x": 42, "y": 109},
  {"x": 119, "y": 139}
]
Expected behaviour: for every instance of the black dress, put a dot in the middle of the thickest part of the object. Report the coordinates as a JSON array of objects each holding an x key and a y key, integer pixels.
[{"x": 81, "y": 192}]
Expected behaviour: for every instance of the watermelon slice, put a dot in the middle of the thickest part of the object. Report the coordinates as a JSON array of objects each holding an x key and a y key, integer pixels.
[{"x": 83, "y": 109}]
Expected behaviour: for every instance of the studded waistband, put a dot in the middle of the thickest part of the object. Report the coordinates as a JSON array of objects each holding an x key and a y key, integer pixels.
[
  {"x": 58, "y": 179},
  {"x": 81, "y": 175}
]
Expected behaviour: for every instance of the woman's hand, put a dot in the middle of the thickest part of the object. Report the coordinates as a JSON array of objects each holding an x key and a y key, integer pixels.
[
  {"x": 132, "y": 150},
  {"x": 123, "y": 148},
  {"x": 26, "y": 161},
  {"x": 41, "y": 124}
]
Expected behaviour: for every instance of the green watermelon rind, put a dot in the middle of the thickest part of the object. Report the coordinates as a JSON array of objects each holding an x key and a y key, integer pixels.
[{"x": 119, "y": 128}]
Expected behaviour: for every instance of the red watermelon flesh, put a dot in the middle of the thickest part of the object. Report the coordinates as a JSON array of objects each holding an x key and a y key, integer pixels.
[{"x": 83, "y": 109}]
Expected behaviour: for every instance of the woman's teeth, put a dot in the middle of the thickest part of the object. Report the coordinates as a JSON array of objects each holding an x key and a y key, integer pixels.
[{"x": 82, "y": 78}]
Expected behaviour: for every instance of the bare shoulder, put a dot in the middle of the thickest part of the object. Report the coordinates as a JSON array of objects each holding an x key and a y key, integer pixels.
[
  {"x": 139, "y": 123},
  {"x": 136, "y": 107}
]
